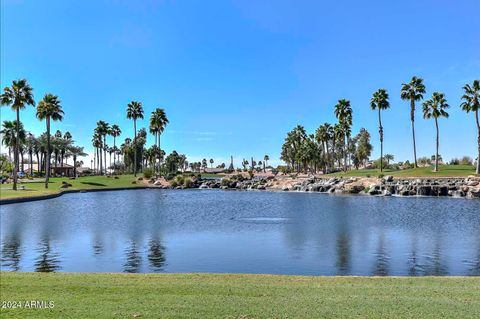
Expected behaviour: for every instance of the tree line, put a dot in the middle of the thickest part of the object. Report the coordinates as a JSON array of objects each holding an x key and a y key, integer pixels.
[{"x": 332, "y": 146}]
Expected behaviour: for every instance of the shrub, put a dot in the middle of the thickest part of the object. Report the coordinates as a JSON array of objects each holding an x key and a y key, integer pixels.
[
  {"x": 368, "y": 175},
  {"x": 466, "y": 160},
  {"x": 381, "y": 176},
  {"x": 180, "y": 179},
  {"x": 250, "y": 173},
  {"x": 225, "y": 182},
  {"x": 174, "y": 183},
  {"x": 140, "y": 178},
  {"x": 188, "y": 183},
  {"x": 147, "y": 173}
]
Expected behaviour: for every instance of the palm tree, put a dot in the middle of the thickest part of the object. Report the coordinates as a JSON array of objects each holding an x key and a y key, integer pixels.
[
  {"x": 435, "y": 107},
  {"x": 134, "y": 112},
  {"x": 343, "y": 112},
  {"x": 17, "y": 96},
  {"x": 76, "y": 151},
  {"x": 9, "y": 134},
  {"x": 158, "y": 122},
  {"x": 380, "y": 102},
  {"x": 266, "y": 158},
  {"x": 388, "y": 158},
  {"x": 104, "y": 129},
  {"x": 413, "y": 91},
  {"x": 115, "y": 131},
  {"x": 211, "y": 163},
  {"x": 471, "y": 103},
  {"x": 49, "y": 109}
]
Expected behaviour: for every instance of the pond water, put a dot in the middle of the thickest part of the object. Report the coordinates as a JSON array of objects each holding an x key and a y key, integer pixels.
[{"x": 242, "y": 232}]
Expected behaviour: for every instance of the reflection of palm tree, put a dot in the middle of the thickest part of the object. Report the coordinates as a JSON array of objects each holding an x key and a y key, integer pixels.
[
  {"x": 433, "y": 264},
  {"x": 381, "y": 264},
  {"x": 413, "y": 265},
  {"x": 134, "y": 260},
  {"x": 343, "y": 253},
  {"x": 156, "y": 255},
  {"x": 47, "y": 261},
  {"x": 474, "y": 270},
  {"x": 11, "y": 252}
]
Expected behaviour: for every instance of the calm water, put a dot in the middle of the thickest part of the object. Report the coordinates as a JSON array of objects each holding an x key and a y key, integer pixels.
[{"x": 242, "y": 232}]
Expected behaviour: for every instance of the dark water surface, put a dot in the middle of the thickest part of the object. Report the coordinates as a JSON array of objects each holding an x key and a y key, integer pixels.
[{"x": 242, "y": 232}]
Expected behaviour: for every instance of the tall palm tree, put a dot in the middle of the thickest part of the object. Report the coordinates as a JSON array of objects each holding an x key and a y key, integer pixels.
[
  {"x": 413, "y": 92},
  {"x": 134, "y": 112},
  {"x": 9, "y": 134},
  {"x": 115, "y": 131},
  {"x": 211, "y": 162},
  {"x": 343, "y": 112},
  {"x": 17, "y": 96},
  {"x": 104, "y": 129},
  {"x": 471, "y": 103},
  {"x": 380, "y": 102},
  {"x": 434, "y": 108},
  {"x": 158, "y": 122},
  {"x": 266, "y": 158},
  {"x": 49, "y": 108}
]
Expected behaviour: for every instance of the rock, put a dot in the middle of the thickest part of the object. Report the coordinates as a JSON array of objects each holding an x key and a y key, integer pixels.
[
  {"x": 203, "y": 186},
  {"x": 285, "y": 188},
  {"x": 424, "y": 190},
  {"x": 388, "y": 178},
  {"x": 387, "y": 193},
  {"x": 473, "y": 193},
  {"x": 261, "y": 187},
  {"x": 473, "y": 183},
  {"x": 157, "y": 183}
]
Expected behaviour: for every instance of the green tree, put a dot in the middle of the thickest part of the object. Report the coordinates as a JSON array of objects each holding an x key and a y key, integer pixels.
[
  {"x": 115, "y": 132},
  {"x": 103, "y": 128},
  {"x": 435, "y": 108},
  {"x": 388, "y": 158},
  {"x": 49, "y": 109},
  {"x": 380, "y": 102},
  {"x": 17, "y": 96},
  {"x": 158, "y": 122},
  {"x": 413, "y": 92},
  {"x": 471, "y": 103},
  {"x": 134, "y": 112},
  {"x": 343, "y": 112},
  {"x": 266, "y": 158},
  {"x": 76, "y": 151},
  {"x": 211, "y": 162}
]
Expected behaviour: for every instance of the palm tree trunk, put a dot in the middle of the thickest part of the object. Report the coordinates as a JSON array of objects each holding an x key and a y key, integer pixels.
[
  {"x": 31, "y": 160},
  {"x": 135, "y": 148},
  {"x": 21, "y": 155},
  {"x": 412, "y": 118},
  {"x": 105, "y": 151},
  {"x": 437, "y": 144},
  {"x": 47, "y": 164},
  {"x": 75, "y": 166},
  {"x": 15, "y": 151},
  {"x": 478, "y": 142},
  {"x": 38, "y": 164},
  {"x": 159, "y": 154},
  {"x": 114, "y": 151},
  {"x": 345, "y": 152},
  {"x": 381, "y": 139}
]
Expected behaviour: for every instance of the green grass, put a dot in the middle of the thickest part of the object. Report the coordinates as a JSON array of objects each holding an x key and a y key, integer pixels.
[
  {"x": 37, "y": 187},
  {"x": 444, "y": 171},
  {"x": 78, "y": 295}
]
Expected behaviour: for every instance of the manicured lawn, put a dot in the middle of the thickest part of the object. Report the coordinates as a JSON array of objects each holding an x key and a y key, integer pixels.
[
  {"x": 444, "y": 171},
  {"x": 37, "y": 187},
  {"x": 240, "y": 296}
]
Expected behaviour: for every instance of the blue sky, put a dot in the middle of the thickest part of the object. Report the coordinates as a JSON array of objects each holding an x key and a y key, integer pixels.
[{"x": 235, "y": 76}]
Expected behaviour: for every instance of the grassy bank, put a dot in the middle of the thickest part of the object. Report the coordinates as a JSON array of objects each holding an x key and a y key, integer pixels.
[
  {"x": 37, "y": 187},
  {"x": 240, "y": 296},
  {"x": 444, "y": 171}
]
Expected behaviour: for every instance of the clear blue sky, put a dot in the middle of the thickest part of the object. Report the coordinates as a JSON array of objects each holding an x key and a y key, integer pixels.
[{"x": 235, "y": 76}]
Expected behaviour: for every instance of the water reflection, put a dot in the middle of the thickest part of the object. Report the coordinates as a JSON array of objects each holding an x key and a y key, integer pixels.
[
  {"x": 156, "y": 255},
  {"x": 381, "y": 258},
  {"x": 133, "y": 258},
  {"x": 48, "y": 260},
  {"x": 11, "y": 252},
  {"x": 188, "y": 231}
]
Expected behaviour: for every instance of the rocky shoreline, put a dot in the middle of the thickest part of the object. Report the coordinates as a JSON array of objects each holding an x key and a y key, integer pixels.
[{"x": 468, "y": 187}]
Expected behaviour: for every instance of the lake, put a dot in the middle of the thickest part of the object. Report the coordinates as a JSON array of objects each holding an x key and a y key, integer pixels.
[{"x": 242, "y": 232}]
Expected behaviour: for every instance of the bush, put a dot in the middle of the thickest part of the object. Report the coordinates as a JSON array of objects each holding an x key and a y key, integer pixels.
[
  {"x": 174, "y": 183},
  {"x": 147, "y": 173},
  {"x": 225, "y": 182},
  {"x": 381, "y": 176},
  {"x": 188, "y": 183},
  {"x": 180, "y": 179},
  {"x": 250, "y": 173},
  {"x": 466, "y": 160}
]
